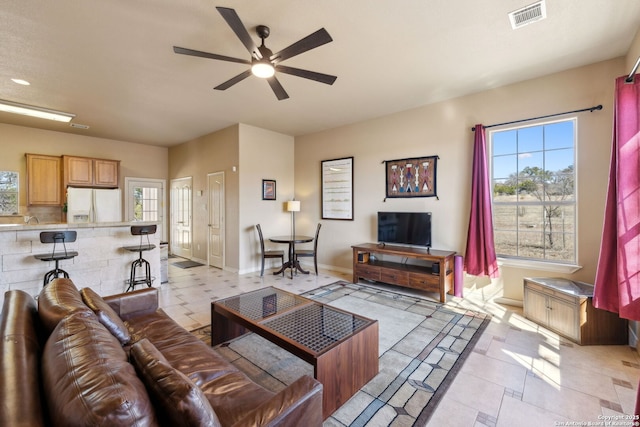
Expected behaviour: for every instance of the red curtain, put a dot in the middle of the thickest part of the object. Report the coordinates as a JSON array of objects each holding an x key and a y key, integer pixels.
[
  {"x": 480, "y": 255},
  {"x": 617, "y": 284}
]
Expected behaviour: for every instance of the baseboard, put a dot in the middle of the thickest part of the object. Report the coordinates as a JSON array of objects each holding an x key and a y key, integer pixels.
[
  {"x": 508, "y": 301},
  {"x": 309, "y": 266}
]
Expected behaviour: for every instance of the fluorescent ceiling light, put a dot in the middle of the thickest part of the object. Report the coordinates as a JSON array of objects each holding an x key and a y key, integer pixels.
[
  {"x": 29, "y": 110},
  {"x": 21, "y": 82}
]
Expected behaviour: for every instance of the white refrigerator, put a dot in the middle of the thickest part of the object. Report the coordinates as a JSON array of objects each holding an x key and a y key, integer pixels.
[{"x": 91, "y": 205}]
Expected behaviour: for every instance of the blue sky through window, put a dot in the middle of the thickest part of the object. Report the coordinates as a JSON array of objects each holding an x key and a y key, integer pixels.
[{"x": 549, "y": 147}]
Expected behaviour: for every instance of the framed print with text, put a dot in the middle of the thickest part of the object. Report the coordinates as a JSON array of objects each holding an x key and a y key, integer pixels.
[{"x": 337, "y": 189}]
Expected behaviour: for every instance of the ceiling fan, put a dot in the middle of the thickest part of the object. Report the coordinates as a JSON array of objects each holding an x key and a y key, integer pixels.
[{"x": 264, "y": 63}]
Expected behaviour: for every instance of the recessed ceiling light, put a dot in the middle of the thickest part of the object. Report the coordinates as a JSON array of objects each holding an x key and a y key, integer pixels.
[{"x": 21, "y": 82}]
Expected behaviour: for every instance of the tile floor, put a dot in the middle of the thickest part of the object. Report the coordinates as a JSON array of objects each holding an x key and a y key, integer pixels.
[{"x": 518, "y": 374}]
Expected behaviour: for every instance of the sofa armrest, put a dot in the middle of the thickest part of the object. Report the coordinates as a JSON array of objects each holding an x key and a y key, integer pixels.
[
  {"x": 298, "y": 404},
  {"x": 20, "y": 353},
  {"x": 133, "y": 304}
]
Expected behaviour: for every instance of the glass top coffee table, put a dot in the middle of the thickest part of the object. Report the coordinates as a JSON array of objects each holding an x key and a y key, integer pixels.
[{"x": 341, "y": 346}]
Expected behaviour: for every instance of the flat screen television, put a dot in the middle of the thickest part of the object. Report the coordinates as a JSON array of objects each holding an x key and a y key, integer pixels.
[{"x": 406, "y": 228}]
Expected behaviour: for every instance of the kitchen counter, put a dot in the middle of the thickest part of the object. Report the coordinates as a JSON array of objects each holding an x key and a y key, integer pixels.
[
  {"x": 67, "y": 226},
  {"x": 101, "y": 263}
]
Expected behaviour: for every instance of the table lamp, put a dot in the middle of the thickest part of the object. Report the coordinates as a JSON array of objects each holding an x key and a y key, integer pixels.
[{"x": 293, "y": 206}]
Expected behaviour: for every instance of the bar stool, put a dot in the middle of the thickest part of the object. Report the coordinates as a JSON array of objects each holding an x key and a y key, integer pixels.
[
  {"x": 140, "y": 230},
  {"x": 56, "y": 237}
]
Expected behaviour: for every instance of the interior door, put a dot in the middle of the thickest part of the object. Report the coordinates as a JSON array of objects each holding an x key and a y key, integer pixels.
[
  {"x": 216, "y": 219},
  {"x": 181, "y": 228},
  {"x": 144, "y": 201}
]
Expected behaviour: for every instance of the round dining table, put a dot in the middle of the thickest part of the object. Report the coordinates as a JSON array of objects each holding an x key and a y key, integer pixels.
[{"x": 292, "y": 262}]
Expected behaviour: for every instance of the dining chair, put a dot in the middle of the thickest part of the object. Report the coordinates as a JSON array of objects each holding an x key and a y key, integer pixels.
[
  {"x": 311, "y": 252},
  {"x": 268, "y": 254}
]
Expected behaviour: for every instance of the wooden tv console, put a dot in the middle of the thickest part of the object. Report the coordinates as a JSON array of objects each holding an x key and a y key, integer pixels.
[{"x": 418, "y": 276}]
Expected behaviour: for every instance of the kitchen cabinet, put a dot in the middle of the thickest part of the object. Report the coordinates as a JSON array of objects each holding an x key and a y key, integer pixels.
[
  {"x": 44, "y": 180},
  {"x": 565, "y": 307},
  {"x": 90, "y": 172}
]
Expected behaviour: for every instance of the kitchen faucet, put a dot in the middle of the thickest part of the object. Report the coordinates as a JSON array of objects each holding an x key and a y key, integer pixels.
[{"x": 33, "y": 217}]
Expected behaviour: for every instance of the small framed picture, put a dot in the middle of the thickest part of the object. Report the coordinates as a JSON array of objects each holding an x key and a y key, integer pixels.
[{"x": 268, "y": 189}]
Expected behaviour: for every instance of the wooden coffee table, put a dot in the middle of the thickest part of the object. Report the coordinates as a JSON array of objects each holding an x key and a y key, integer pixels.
[{"x": 341, "y": 346}]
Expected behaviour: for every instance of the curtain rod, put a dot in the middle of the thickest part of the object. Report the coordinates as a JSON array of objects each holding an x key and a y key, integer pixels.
[
  {"x": 591, "y": 109},
  {"x": 633, "y": 71}
]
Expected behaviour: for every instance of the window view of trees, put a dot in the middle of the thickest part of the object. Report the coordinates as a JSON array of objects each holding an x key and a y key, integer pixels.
[
  {"x": 9, "y": 200},
  {"x": 534, "y": 206}
]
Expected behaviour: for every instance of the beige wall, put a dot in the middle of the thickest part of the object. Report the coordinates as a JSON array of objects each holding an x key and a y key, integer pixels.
[
  {"x": 443, "y": 129},
  {"x": 137, "y": 160},
  {"x": 263, "y": 155},
  {"x": 633, "y": 54},
  {"x": 215, "y": 152},
  {"x": 256, "y": 154}
]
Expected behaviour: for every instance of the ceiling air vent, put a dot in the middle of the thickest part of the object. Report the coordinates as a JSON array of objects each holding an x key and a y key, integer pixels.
[
  {"x": 78, "y": 126},
  {"x": 527, "y": 15}
]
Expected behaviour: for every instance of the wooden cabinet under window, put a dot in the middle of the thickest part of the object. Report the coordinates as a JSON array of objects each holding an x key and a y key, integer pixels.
[
  {"x": 44, "y": 180},
  {"x": 90, "y": 172},
  {"x": 565, "y": 307}
]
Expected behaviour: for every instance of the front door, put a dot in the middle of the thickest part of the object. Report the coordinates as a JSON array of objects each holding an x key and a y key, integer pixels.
[
  {"x": 216, "y": 219},
  {"x": 181, "y": 196}
]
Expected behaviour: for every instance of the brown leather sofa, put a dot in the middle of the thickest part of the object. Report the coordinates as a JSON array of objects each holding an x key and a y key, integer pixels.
[{"x": 78, "y": 360}]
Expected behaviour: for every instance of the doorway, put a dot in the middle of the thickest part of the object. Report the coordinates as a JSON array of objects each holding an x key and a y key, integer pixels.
[
  {"x": 144, "y": 201},
  {"x": 215, "y": 186},
  {"x": 181, "y": 218}
]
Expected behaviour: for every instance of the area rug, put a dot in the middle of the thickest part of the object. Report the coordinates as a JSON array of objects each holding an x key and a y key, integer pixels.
[
  {"x": 423, "y": 345},
  {"x": 186, "y": 264}
]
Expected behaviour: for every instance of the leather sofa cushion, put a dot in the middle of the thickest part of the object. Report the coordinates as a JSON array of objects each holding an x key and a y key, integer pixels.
[
  {"x": 57, "y": 300},
  {"x": 106, "y": 315},
  {"x": 88, "y": 380},
  {"x": 229, "y": 391},
  {"x": 180, "y": 401}
]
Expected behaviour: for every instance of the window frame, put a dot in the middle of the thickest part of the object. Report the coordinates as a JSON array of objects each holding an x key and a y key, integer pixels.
[
  {"x": 15, "y": 193},
  {"x": 546, "y": 263}
]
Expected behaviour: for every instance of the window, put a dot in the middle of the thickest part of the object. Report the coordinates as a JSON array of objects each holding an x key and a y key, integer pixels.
[
  {"x": 9, "y": 194},
  {"x": 146, "y": 204},
  {"x": 534, "y": 195}
]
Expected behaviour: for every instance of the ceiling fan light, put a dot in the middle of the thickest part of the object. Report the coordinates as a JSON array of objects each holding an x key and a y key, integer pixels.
[{"x": 264, "y": 70}]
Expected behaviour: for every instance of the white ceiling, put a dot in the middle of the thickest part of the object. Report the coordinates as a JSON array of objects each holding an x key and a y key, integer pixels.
[{"x": 111, "y": 62}]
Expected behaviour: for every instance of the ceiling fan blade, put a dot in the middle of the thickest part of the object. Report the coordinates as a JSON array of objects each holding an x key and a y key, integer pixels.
[
  {"x": 238, "y": 27},
  {"x": 234, "y": 80},
  {"x": 191, "y": 52},
  {"x": 277, "y": 88},
  {"x": 312, "y": 41},
  {"x": 306, "y": 74}
]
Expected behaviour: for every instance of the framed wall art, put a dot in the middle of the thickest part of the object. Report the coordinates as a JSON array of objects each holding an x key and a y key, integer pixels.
[
  {"x": 337, "y": 188},
  {"x": 268, "y": 189},
  {"x": 414, "y": 177}
]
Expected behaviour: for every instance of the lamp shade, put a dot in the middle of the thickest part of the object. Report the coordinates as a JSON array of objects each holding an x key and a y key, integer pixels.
[{"x": 293, "y": 206}]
